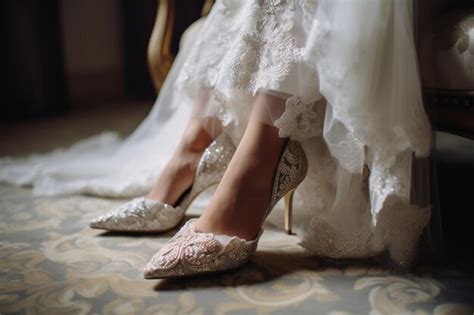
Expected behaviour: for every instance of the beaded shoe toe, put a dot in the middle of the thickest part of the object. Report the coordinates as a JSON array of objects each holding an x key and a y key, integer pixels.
[{"x": 191, "y": 253}]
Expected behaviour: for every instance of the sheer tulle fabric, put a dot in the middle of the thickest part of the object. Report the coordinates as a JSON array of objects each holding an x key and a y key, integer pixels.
[
  {"x": 288, "y": 58},
  {"x": 374, "y": 120},
  {"x": 105, "y": 165}
]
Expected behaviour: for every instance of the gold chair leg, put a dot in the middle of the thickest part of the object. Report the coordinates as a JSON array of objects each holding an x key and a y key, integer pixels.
[{"x": 288, "y": 211}]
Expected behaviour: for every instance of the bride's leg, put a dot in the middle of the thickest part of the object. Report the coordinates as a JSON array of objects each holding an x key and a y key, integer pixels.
[
  {"x": 178, "y": 174},
  {"x": 242, "y": 197}
]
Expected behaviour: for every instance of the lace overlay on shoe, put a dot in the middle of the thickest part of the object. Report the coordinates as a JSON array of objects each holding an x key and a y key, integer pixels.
[
  {"x": 190, "y": 252},
  {"x": 290, "y": 173}
]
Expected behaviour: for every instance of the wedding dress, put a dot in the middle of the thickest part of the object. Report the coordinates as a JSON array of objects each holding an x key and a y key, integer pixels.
[{"x": 346, "y": 73}]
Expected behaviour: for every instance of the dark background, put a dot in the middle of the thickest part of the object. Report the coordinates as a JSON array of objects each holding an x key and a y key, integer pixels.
[{"x": 57, "y": 55}]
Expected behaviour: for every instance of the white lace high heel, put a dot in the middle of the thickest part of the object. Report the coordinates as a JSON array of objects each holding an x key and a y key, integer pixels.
[
  {"x": 143, "y": 215},
  {"x": 191, "y": 253}
]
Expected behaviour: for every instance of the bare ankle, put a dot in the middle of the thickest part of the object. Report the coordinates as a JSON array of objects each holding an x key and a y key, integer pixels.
[{"x": 195, "y": 138}]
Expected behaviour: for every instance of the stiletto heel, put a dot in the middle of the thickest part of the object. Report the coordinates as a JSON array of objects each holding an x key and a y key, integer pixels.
[
  {"x": 145, "y": 216},
  {"x": 289, "y": 211},
  {"x": 191, "y": 253}
]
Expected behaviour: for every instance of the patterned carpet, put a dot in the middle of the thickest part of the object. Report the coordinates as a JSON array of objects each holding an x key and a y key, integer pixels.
[{"x": 53, "y": 263}]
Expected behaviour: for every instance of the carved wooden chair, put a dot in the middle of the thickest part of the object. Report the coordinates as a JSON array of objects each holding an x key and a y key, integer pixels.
[{"x": 160, "y": 56}]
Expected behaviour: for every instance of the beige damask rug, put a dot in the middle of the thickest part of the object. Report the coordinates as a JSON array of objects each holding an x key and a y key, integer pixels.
[{"x": 53, "y": 263}]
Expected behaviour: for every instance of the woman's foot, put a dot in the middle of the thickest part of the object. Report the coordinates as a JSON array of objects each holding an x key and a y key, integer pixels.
[
  {"x": 242, "y": 198},
  {"x": 227, "y": 234},
  {"x": 157, "y": 212},
  {"x": 178, "y": 174}
]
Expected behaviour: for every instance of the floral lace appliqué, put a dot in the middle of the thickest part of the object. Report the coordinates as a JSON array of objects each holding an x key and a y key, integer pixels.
[
  {"x": 301, "y": 120},
  {"x": 191, "y": 252}
]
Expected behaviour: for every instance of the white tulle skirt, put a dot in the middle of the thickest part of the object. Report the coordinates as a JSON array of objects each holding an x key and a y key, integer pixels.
[{"x": 343, "y": 82}]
